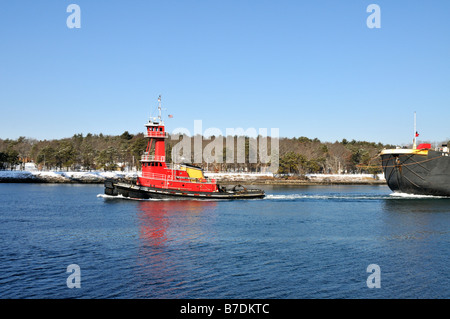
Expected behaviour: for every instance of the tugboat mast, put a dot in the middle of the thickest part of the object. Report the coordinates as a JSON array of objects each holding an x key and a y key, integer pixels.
[
  {"x": 159, "y": 108},
  {"x": 159, "y": 118}
]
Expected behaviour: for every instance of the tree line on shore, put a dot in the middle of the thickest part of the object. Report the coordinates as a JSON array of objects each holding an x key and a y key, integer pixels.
[{"x": 297, "y": 155}]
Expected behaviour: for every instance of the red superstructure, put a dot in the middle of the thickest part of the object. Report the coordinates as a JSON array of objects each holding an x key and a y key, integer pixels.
[{"x": 156, "y": 173}]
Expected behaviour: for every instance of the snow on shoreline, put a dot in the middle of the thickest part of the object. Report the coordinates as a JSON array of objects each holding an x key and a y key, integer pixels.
[
  {"x": 62, "y": 177},
  {"x": 99, "y": 176}
]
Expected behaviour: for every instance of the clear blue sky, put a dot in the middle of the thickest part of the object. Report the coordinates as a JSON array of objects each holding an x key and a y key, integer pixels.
[{"x": 309, "y": 68}]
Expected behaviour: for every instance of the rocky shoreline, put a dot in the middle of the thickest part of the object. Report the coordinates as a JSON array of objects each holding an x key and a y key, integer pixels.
[{"x": 248, "y": 179}]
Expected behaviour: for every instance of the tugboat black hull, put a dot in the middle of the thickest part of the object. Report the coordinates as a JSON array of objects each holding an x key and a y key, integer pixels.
[
  {"x": 426, "y": 173},
  {"x": 143, "y": 192}
]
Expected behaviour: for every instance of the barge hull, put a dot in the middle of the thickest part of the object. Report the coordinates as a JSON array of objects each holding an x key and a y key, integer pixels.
[{"x": 418, "y": 174}]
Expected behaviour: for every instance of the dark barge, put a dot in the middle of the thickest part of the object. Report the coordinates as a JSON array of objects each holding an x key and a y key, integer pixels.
[{"x": 419, "y": 171}]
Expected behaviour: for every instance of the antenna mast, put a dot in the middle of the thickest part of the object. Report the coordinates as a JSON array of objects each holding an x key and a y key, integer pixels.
[{"x": 159, "y": 108}]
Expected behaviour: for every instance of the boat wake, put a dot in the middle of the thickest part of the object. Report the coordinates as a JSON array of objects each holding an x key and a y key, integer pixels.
[
  {"x": 129, "y": 198},
  {"x": 326, "y": 197},
  {"x": 349, "y": 197},
  {"x": 414, "y": 196}
]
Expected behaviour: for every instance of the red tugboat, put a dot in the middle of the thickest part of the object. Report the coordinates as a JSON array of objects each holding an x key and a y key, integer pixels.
[{"x": 177, "y": 181}]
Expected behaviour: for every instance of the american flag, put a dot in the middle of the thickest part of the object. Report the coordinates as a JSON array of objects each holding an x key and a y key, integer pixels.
[{"x": 170, "y": 115}]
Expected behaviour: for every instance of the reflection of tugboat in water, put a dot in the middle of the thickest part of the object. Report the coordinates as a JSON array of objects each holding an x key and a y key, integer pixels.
[
  {"x": 420, "y": 170},
  {"x": 162, "y": 180}
]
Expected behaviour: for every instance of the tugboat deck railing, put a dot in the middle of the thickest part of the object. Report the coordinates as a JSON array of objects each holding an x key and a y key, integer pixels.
[
  {"x": 156, "y": 134},
  {"x": 150, "y": 158}
]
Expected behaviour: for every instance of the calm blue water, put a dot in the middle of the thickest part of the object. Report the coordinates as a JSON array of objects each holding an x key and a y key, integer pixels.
[{"x": 299, "y": 242}]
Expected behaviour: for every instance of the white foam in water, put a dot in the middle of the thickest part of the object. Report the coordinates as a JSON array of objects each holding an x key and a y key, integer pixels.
[
  {"x": 411, "y": 196},
  {"x": 104, "y": 196},
  {"x": 120, "y": 197},
  {"x": 352, "y": 197},
  {"x": 335, "y": 196},
  {"x": 292, "y": 196},
  {"x": 112, "y": 197}
]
